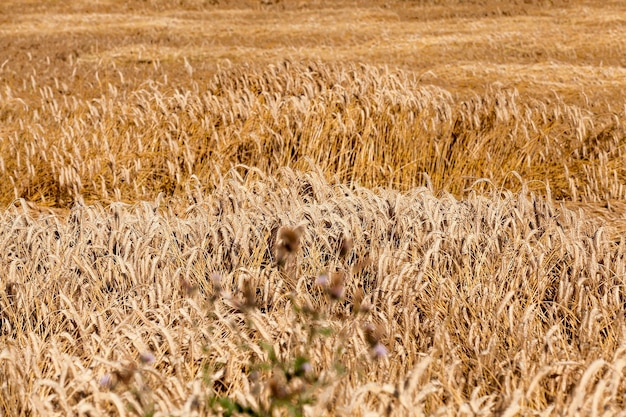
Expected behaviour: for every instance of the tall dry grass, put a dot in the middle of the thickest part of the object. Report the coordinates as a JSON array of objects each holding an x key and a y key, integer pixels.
[
  {"x": 496, "y": 303},
  {"x": 359, "y": 123},
  {"x": 379, "y": 224}
]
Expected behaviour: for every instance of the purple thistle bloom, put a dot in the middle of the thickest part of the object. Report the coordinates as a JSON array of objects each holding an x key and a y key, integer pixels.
[
  {"x": 146, "y": 358},
  {"x": 379, "y": 351},
  {"x": 105, "y": 381},
  {"x": 322, "y": 280},
  {"x": 217, "y": 278},
  {"x": 306, "y": 367}
]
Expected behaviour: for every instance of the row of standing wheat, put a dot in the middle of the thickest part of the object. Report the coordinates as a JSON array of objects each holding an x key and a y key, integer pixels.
[
  {"x": 492, "y": 304},
  {"x": 65, "y": 140}
]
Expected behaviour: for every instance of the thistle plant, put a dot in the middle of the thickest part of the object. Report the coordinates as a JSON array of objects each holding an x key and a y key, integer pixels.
[{"x": 287, "y": 377}]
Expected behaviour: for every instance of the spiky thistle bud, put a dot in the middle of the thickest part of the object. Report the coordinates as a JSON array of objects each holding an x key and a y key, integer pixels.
[
  {"x": 345, "y": 246},
  {"x": 287, "y": 242},
  {"x": 373, "y": 334},
  {"x": 125, "y": 374},
  {"x": 336, "y": 285},
  {"x": 278, "y": 387},
  {"x": 249, "y": 295}
]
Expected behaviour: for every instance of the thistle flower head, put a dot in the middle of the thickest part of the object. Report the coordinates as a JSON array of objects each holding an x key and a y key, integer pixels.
[
  {"x": 218, "y": 290},
  {"x": 306, "y": 367},
  {"x": 345, "y": 246},
  {"x": 187, "y": 287},
  {"x": 11, "y": 290},
  {"x": 373, "y": 333},
  {"x": 106, "y": 381},
  {"x": 278, "y": 387},
  {"x": 146, "y": 358},
  {"x": 287, "y": 242},
  {"x": 357, "y": 300},
  {"x": 336, "y": 285},
  {"x": 289, "y": 238},
  {"x": 125, "y": 374},
  {"x": 249, "y": 295},
  {"x": 321, "y": 280},
  {"x": 379, "y": 351}
]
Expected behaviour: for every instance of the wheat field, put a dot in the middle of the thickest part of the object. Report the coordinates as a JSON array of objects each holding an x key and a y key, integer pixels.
[{"x": 312, "y": 208}]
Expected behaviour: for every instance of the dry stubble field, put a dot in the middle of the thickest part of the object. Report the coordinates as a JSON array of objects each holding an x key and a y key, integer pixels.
[{"x": 312, "y": 207}]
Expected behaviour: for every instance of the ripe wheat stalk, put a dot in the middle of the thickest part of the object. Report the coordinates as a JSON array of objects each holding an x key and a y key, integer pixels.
[{"x": 499, "y": 302}]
